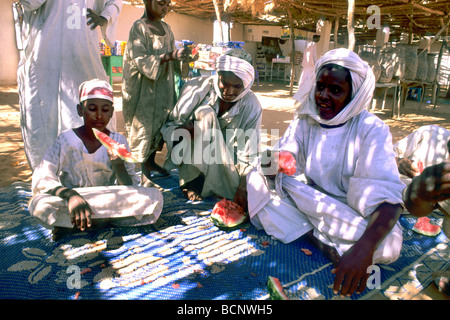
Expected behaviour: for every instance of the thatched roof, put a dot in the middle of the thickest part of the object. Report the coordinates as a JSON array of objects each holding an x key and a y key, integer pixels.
[{"x": 421, "y": 17}]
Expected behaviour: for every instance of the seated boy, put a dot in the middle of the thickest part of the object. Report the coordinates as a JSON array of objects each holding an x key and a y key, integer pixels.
[{"x": 75, "y": 183}]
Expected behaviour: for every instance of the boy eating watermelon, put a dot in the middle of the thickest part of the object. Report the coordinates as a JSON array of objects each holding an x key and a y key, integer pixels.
[{"x": 79, "y": 180}]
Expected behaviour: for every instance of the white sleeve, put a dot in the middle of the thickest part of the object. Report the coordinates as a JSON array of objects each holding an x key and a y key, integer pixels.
[
  {"x": 111, "y": 12},
  {"x": 45, "y": 176},
  {"x": 32, "y": 5}
]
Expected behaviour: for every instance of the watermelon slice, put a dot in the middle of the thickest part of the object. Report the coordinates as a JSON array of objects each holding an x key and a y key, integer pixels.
[
  {"x": 286, "y": 163},
  {"x": 228, "y": 214},
  {"x": 195, "y": 50},
  {"x": 420, "y": 166},
  {"x": 275, "y": 289},
  {"x": 423, "y": 226},
  {"x": 117, "y": 148}
]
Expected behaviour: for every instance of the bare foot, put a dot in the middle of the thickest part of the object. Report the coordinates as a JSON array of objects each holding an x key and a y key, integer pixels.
[
  {"x": 192, "y": 195},
  {"x": 146, "y": 182},
  {"x": 193, "y": 189}
]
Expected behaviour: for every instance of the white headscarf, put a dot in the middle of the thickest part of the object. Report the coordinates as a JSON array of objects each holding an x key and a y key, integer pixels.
[
  {"x": 240, "y": 67},
  {"x": 363, "y": 85},
  {"x": 96, "y": 88}
]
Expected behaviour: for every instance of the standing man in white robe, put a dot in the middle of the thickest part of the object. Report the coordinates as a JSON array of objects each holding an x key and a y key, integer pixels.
[
  {"x": 61, "y": 50},
  {"x": 352, "y": 197}
]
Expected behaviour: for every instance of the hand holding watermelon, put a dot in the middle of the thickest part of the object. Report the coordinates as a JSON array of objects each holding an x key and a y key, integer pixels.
[
  {"x": 286, "y": 163},
  {"x": 278, "y": 161},
  {"x": 427, "y": 189}
]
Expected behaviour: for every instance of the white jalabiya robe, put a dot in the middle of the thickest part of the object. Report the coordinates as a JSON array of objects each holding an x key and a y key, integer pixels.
[
  {"x": 68, "y": 163},
  {"x": 427, "y": 144},
  {"x": 60, "y": 52},
  {"x": 226, "y": 154},
  {"x": 350, "y": 170}
]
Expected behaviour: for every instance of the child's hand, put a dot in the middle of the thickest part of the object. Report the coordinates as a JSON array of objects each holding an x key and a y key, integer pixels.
[
  {"x": 80, "y": 212},
  {"x": 183, "y": 54},
  {"x": 115, "y": 159},
  {"x": 118, "y": 165}
]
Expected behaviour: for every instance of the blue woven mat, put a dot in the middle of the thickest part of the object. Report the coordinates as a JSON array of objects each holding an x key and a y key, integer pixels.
[{"x": 183, "y": 256}]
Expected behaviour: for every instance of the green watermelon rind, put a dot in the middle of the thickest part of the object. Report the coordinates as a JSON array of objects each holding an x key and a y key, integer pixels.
[
  {"x": 275, "y": 289},
  {"x": 219, "y": 223},
  {"x": 417, "y": 227}
]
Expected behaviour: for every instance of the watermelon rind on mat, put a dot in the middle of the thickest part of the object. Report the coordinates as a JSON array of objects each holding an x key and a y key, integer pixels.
[
  {"x": 275, "y": 289},
  {"x": 227, "y": 214},
  {"x": 423, "y": 226}
]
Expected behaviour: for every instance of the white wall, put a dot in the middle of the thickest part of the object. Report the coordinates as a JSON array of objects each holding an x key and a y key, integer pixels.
[
  {"x": 183, "y": 27},
  {"x": 9, "y": 55}
]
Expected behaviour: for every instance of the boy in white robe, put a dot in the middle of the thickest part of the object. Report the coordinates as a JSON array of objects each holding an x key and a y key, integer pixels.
[
  {"x": 347, "y": 190},
  {"x": 61, "y": 50},
  {"x": 75, "y": 183}
]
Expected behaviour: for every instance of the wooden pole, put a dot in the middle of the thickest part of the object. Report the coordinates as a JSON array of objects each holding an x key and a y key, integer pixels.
[
  {"x": 292, "y": 38},
  {"x": 411, "y": 23},
  {"x": 336, "y": 29},
  {"x": 435, "y": 95},
  {"x": 350, "y": 26}
]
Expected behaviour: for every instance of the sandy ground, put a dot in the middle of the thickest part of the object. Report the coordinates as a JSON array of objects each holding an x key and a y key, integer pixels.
[{"x": 278, "y": 111}]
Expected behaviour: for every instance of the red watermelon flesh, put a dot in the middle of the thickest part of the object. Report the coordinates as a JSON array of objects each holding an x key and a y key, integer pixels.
[
  {"x": 195, "y": 50},
  {"x": 420, "y": 166},
  {"x": 423, "y": 226},
  {"x": 286, "y": 163},
  {"x": 117, "y": 148},
  {"x": 227, "y": 213}
]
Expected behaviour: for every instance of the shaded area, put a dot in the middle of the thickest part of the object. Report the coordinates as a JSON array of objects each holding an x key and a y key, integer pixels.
[{"x": 184, "y": 256}]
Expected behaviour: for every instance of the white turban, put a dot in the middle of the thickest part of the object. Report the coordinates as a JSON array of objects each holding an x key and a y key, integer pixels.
[
  {"x": 363, "y": 85},
  {"x": 241, "y": 68}
]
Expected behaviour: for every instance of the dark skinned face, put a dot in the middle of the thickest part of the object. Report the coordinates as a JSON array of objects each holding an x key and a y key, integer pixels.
[
  {"x": 96, "y": 113},
  {"x": 333, "y": 92},
  {"x": 230, "y": 85},
  {"x": 157, "y": 9}
]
